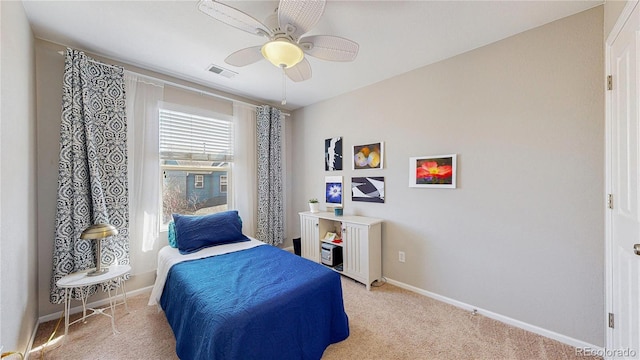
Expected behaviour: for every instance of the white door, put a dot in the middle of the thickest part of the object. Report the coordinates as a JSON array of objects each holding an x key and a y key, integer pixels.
[
  {"x": 310, "y": 242},
  {"x": 624, "y": 225},
  {"x": 355, "y": 245}
]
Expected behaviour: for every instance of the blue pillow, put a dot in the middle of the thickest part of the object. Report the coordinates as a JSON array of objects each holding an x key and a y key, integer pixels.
[
  {"x": 196, "y": 232},
  {"x": 172, "y": 235}
]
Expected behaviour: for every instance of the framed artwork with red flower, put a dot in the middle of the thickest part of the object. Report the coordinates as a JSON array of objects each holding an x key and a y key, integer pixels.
[{"x": 433, "y": 171}]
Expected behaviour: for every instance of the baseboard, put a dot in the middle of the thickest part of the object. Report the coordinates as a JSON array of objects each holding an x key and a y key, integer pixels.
[
  {"x": 31, "y": 340},
  {"x": 504, "y": 319},
  {"x": 95, "y": 304}
]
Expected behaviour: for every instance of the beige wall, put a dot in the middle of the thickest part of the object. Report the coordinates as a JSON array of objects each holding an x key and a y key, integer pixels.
[
  {"x": 189, "y": 98},
  {"x": 523, "y": 234},
  {"x": 18, "y": 246}
]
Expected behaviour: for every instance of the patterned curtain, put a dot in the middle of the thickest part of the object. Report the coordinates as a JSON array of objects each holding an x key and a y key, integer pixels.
[
  {"x": 92, "y": 173},
  {"x": 270, "y": 226}
]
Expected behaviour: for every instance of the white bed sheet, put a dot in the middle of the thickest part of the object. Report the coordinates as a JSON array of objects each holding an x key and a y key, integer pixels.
[{"x": 168, "y": 256}]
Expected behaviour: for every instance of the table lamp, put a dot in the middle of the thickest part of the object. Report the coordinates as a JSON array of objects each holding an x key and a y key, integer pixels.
[{"x": 98, "y": 232}]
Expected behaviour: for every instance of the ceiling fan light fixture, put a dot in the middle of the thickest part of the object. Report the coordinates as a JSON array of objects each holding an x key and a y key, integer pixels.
[{"x": 282, "y": 53}]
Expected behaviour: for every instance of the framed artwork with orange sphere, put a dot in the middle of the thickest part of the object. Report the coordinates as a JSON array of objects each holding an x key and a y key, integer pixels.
[
  {"x": 368, "y": 156},
  {"x": 437, "y": 171}
]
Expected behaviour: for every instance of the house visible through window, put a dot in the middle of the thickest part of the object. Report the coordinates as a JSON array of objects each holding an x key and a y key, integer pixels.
[{"x": 196, "y": 149}]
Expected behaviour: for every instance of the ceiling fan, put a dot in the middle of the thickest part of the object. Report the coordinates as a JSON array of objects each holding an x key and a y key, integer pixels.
[{"x": 285, "y": 47}]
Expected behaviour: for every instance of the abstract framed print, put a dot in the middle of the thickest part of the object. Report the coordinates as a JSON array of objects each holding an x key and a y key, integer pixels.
[
  {"x": 333, "y": 154},
  {"x": 368, "y": 189},
  {"x": 368, "y": 156},
  {"x": 438, "y": 171}
]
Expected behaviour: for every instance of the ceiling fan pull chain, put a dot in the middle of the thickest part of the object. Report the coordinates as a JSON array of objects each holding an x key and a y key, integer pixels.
[{"x": 284, "y": 86}]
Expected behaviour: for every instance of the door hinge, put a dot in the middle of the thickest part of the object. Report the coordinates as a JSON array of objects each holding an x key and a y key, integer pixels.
[
  {"x": 610, "y": 201},
  {"x": 611, "y": 322},
  {"x": 609, "y": 82}
]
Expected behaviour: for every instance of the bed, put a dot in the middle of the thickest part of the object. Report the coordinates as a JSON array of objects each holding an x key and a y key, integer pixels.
[{"x": 249, "y": 300}]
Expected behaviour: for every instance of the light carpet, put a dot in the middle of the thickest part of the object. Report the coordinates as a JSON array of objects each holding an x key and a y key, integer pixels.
[{"x": 385, "y": 323}]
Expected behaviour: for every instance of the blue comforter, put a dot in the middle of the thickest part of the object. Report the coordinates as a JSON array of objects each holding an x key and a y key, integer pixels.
[{"x": 260, "y": 303}]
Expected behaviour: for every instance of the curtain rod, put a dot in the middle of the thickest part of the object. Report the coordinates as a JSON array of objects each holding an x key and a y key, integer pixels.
[{"x": 171, "y": 83}]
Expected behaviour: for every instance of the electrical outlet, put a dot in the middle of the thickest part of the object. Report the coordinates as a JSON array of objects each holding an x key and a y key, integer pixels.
[{"x": 401, "y": 256}]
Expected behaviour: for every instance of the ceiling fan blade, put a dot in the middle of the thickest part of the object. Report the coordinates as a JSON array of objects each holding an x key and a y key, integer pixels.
[
  {"x": 332, "y": 48},
  {"x": 232, "y": 16},
  {"x": 300, "y": 72},
  {"x": 245, "y": 56},
  {"x": 296, "y": 17}
]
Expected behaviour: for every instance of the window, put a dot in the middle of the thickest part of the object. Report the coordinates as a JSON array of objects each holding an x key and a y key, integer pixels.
[
  {"x": 196, "y": 149},
  {"x": 223, "y": 183},
  {"x": 199, "y": 181}
]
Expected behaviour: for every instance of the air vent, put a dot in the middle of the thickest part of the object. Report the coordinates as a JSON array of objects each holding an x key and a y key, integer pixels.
[{"x": 222, "y": 71}]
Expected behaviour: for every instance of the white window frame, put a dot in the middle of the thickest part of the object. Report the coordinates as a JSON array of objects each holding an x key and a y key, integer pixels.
[
  {"x": 221, "y": 165},
  {"x": 198, "y": 181},
  {"x": 225, "y": 183}
]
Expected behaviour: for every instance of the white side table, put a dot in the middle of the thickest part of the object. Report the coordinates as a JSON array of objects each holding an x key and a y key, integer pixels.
[{"x": 80, "y": 280}]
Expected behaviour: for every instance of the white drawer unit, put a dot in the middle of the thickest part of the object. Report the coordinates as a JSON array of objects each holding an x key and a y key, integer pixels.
[{"x": 359, "y": 237}]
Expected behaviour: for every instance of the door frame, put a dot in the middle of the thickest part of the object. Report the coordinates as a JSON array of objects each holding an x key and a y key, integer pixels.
[{"x": 613, "y": 35}]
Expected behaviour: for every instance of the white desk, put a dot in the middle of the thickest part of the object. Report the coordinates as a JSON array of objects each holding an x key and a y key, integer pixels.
[{"x": 80, "y": 280}]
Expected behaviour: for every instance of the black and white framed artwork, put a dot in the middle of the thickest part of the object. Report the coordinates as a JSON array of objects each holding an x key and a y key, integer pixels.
[
  {"x": 368, "y": 189},
  {"x": 333, "y": 154}
]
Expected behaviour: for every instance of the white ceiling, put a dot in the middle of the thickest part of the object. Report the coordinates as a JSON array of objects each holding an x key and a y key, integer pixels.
[{"x": 174, "y": 38}]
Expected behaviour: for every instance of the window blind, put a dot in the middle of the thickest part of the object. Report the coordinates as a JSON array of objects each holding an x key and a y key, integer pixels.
[{"x": 186, "y": 136}]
